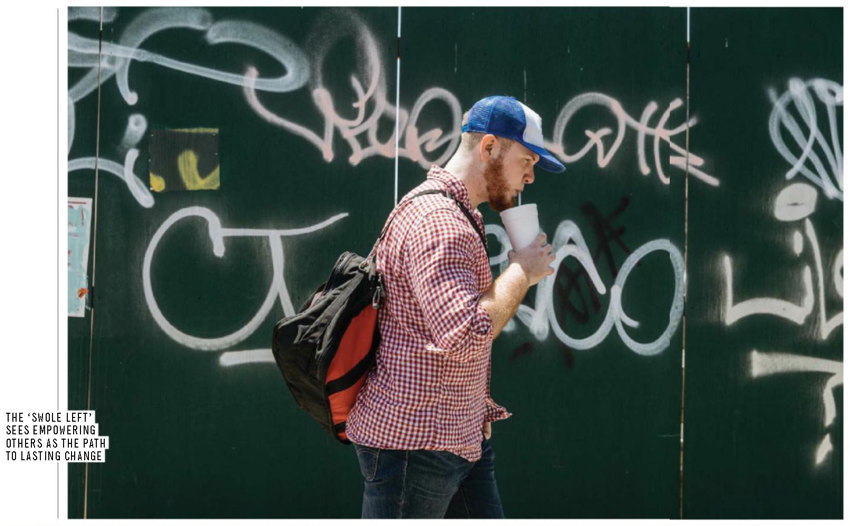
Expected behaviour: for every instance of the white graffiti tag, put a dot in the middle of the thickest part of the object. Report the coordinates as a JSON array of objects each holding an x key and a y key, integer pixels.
[
  {"x": 818, "y": 159},
  {"x": 689, "y": 162},
  {"x": 796, "y": 203},
  {"x": 217, "y": 234},
  {"x": 766, "y": 364},
  {"x": 569, "y": 242},
  {"x": 369, "y": 106}
]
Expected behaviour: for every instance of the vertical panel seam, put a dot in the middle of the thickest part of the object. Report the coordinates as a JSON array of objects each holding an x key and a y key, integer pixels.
[
  {"x": 94, "y": 247},
  {"x": 685, "y": 299},
  {"x": 397, "y": 102}
]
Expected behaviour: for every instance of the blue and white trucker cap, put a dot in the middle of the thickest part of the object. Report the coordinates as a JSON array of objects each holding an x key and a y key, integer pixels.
[{"x": 507, "y": 117}]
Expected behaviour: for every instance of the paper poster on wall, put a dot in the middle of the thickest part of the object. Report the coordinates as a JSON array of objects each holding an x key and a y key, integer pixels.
[{"x": 79, "y": 232}]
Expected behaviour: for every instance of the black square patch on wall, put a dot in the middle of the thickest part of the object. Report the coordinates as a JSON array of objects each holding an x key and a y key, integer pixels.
[{"x": 184, "y": 159}]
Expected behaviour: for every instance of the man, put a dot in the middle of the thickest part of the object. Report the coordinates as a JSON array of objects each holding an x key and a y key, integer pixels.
[{"x": 421, "y": 423}]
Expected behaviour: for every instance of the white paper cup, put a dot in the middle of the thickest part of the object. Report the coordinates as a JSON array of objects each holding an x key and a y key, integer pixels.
[{"x": 521, "y": 224}]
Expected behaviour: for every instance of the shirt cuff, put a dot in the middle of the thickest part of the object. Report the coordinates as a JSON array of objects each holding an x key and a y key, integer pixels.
[{"x": 493, "y": 411}]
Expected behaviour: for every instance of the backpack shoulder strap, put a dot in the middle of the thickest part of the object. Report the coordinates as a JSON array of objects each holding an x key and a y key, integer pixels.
[
  {"x": 472, "y": 221},
  {"x": 466, "y": 212},
  {"x": 444, "y": 193}
]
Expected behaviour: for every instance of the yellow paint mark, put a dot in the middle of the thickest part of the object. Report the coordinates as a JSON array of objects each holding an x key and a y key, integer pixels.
[
  {"x": 187, "y": 165},
  {"x": 157, "y": 183}
]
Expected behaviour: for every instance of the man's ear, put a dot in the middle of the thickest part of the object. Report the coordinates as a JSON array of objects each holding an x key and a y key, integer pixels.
[{"x": 488, "y": 147}]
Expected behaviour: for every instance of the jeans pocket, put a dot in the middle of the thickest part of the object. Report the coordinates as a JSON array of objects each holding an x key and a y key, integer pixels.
[{"x": 368, "y": 459}]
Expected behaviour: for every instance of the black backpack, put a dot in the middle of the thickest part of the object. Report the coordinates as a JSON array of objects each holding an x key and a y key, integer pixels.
[{"x": 326, "y": 349}]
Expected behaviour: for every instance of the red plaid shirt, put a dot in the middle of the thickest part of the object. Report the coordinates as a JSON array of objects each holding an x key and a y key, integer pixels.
[{"x": 430, "y": 388}]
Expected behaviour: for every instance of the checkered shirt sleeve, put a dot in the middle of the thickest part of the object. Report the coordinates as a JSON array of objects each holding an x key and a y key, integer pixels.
[{"x": 440, "y": 269}]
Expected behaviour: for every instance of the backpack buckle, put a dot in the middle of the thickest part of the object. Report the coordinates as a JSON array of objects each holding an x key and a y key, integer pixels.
[{"x": 379, "y": 292}]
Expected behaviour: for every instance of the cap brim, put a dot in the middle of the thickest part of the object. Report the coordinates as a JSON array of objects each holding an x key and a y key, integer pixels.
[{"x": 547, "y": 161}]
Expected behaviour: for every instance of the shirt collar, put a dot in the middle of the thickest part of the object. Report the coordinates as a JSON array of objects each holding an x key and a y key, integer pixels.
[{"x": 453, "y": 184}]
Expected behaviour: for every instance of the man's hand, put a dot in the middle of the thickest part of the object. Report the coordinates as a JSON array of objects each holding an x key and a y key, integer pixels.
[
  {"x": 487, "y": 430},
  {"x": 535, "y": 260},
  {"x": 527, "y": 268}
]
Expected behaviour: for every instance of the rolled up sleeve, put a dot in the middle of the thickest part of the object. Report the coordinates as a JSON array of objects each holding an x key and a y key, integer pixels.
[
  {"x": 441, "y": 271},
  {"x": 494, "y": 411}
]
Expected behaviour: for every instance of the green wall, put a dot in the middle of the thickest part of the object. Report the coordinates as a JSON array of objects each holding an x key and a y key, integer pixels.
[
  {"x": 759, "y": 373},
  {"x": 270, "y": 132}
]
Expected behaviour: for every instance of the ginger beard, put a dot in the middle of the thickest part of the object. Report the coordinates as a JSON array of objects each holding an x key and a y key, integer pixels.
[{"x": 498, "y": 192}]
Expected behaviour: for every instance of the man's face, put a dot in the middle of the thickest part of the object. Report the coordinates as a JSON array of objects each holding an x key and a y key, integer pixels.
[{"x": 507, "y": 174}]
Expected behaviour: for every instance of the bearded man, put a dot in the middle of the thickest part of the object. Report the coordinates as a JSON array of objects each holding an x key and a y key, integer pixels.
[{"x": 421, "y": 422}]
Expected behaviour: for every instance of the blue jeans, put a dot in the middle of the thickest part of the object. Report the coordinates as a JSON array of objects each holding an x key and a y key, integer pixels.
[{"x": 428, "y": 484}]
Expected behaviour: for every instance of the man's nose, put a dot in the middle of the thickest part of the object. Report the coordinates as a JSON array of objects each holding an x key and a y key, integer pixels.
[{"x": 529, "y": 177}]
